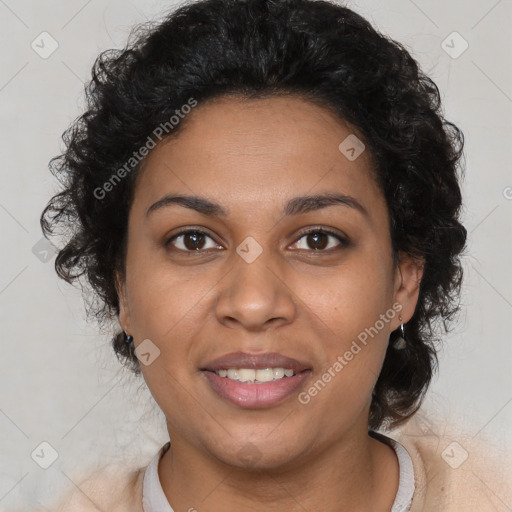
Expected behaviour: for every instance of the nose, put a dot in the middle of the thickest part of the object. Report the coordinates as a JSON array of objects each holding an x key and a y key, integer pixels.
[{"x": 255, "y": 296}]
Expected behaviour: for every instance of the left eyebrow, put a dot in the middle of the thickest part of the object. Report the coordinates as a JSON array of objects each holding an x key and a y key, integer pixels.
[
  {"x": 296, "y": 206},
  {"x": 304, "y": 204}
]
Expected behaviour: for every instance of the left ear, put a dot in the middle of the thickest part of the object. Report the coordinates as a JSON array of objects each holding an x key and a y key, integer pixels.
[
  {"x": 407, "y": 285},
  {"x": 124, "y": 310}
]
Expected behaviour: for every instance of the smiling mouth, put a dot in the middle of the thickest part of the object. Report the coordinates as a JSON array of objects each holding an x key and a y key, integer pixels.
[
  {"x": 256, "y": 376},
  {"x": 277, "y": 385}
]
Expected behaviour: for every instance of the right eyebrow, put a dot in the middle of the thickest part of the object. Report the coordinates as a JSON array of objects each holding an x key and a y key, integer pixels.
[{"x": 199, "y": 204}]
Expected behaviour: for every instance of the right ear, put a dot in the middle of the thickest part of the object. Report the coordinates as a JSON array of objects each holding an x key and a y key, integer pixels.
[{"x": 124, "y": 310}]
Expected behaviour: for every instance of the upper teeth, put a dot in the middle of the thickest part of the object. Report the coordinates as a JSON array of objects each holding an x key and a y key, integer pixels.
[{"x": 251, "y": 375}]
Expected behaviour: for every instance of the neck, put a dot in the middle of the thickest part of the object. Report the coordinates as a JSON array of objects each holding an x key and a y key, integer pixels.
[{"x": 355, "y": 473}]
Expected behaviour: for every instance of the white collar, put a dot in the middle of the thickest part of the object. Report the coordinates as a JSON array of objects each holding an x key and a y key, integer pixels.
[
  {"x": 406, "y": 485},
  {"x": 154, "y": 499}
]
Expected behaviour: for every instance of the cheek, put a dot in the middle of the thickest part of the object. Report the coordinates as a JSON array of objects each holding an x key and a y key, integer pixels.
[
  {"x": 347, "y": 300},
  {"x": 163, "y": 297},
  {"x": 350, "y": 312},
  {"x": 166, "y": 307},
  {"x": 351, "y": 342}
]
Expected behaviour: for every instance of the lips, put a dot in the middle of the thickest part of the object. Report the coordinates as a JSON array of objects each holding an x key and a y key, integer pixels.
[
  {"x": 256, "y": 395},
  {"x": 256, "y": 362}
]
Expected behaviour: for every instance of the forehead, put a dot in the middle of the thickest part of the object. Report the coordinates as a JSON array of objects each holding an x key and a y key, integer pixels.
[{"x": 247, "y": 153}]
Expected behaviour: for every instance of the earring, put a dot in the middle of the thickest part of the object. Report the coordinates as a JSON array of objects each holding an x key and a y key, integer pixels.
[
  {"x": 128, "y": 339},
  {"x": 401, "y": 342}
]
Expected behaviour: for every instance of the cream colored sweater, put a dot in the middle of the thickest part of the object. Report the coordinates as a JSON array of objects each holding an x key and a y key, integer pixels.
[{"x": 451, "y": 472}]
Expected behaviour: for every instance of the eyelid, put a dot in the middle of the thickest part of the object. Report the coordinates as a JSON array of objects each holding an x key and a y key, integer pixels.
[
  {"x": 186, "y": 231},
  {"x": 342, "y": 238}
]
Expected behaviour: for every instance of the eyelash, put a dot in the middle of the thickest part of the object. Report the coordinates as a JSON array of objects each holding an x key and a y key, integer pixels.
[{"x": 344, "y": 242}]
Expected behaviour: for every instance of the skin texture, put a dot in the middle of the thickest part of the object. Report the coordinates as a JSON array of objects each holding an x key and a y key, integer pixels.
[{"x": 251, "y": 157}]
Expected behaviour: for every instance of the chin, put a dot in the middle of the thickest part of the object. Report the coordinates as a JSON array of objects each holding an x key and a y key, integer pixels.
[{"x": 258, "y": 455}]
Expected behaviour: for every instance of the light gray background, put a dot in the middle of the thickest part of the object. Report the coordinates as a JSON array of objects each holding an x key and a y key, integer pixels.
[{"x": 61, "y": 382}]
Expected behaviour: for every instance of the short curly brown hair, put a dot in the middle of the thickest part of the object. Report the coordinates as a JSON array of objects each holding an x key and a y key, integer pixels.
[{"x": 252, "y": 48}]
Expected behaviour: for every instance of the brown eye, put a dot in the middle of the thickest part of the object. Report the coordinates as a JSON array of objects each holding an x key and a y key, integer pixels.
[
  {"x": 190, "y": 241},
  {"x": 318, "y": 240}
]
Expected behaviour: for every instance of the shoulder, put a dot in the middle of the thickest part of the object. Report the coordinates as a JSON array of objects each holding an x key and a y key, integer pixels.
[
  {"x": 116, "y": 488},
  {"x": 454, "y": 470}
]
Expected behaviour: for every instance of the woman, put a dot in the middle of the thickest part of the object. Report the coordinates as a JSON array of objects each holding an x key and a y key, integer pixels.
[{"x": 265, "y": 194}]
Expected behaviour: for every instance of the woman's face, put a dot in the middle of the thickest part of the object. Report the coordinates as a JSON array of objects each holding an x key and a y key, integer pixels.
[{"x": 256, "y": 282}]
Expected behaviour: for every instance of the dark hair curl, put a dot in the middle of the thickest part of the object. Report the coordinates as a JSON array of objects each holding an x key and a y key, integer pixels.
[{"x": 316, "y": 49}]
